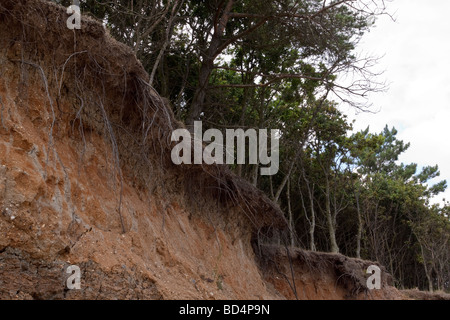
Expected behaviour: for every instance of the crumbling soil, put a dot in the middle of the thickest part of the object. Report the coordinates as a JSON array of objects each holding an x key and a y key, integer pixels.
[
  {"x": 299, "y": 274},
  {"x": 416, "y": 294},
  {"x": 86, "y": 180}
]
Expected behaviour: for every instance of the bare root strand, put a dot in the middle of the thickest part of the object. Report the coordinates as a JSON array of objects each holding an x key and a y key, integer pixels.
[{"x": 1, "y": 112}]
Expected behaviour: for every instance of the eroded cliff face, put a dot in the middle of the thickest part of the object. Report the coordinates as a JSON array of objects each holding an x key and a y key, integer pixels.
[
  {"x": 58, "y": 209},
  {"x": 76, "y": 190},
  {"x": 298, "y": 274},
  {"x": 85, "y": 180}
]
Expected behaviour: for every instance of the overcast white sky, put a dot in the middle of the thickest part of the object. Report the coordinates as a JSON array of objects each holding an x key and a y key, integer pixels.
[{"x": 416, "y": 49}]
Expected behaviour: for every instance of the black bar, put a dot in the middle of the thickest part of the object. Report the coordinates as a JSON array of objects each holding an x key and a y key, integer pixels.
[{"x": 167, "y": 310}]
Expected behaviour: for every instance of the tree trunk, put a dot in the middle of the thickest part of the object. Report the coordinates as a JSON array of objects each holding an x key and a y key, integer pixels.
[
  {"x": 331, "y": 225},
  {"x": 312, "y": 226},
  {"x": 291, "y": 217},
  {"x": 207, "y": 66},
  {"x": 312, "y": 221},
  {"x": 427, "y": 271},
  {"x": 359, "y": 233},
  {"x": 255, "y": 175},
  {"x": 200, "y": 94},
  {"x": 288, "y": 174}
]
